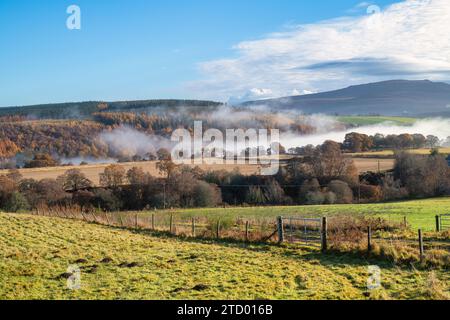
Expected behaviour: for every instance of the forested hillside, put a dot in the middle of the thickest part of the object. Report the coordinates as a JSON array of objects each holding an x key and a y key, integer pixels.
[{"x": 86, "y": 109}]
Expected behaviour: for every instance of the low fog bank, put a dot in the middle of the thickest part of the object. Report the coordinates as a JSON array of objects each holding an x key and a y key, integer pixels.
[
  {"x": 89, "y": 160},
  {"x": 436, "y": 126},
  {"x": 129, "y": 142}
]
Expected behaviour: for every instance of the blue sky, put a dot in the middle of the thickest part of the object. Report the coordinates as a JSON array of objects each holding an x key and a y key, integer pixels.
[{"x": 144, "y": 49}]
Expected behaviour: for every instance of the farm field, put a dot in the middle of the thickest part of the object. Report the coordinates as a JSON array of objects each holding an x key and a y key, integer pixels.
[
  {"x": 371, "y": 120},
  {"x": 92, "y": 171},
  {"x": 419, "y": 213},
  {"x": 390, "y": 153},
  {"x": 35, "y": 253}
]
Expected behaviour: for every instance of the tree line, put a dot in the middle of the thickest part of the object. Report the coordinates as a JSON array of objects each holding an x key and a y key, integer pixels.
[
  {"x": 357, "y": 142},
  {"x": 325, "y": 176}
]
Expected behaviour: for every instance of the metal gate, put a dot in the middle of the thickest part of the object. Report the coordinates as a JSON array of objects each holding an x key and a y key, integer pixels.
[
  {"x": 444, "y": 222},
  {"x": 303, "y": 230}
]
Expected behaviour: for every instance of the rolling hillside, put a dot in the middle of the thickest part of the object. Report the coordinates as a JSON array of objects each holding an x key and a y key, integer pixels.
[
  {"x": 388, "y": 98},
  {"x": 83, "y": 110},
  {"x": 36, "y": 253}
]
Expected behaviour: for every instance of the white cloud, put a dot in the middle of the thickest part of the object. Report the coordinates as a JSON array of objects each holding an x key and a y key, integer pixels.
[
  {"x": 409, "y": 40},
  {"x": 253, "y": 94}
]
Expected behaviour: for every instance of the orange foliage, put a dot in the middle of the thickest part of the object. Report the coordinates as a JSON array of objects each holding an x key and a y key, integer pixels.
[{"x": 8, "y": 149}]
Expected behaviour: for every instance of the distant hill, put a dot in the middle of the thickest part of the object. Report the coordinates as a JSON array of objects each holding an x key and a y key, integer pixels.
[
  {"x": 388, "y": 98},
  {"x": 83, "y": 110}
]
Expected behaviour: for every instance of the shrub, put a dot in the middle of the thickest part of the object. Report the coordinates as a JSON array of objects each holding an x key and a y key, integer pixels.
[
  {"x": 17, "y": 202},
  {"x": 371, "y": 193},
  {"x": 255, "y": 196},
  {"x": 307, "y": 186},
  {"x": 274, "y": 193},
  {"x": 330, "y": 197},
  {"x": 106, "y": 200},
  {"x": 206, "y": 195},
  {"x": 344, "y": 194},
  {"x": 315, "y": 198}
]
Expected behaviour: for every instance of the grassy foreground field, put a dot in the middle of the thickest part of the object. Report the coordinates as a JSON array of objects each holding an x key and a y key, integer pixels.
[
  {"x": 419, "y": 213},
  {"x": 35, "y": 252}
]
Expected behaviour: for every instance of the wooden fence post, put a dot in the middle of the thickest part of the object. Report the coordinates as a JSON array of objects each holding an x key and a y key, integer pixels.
[
  {"x": 405, "y": 222},
  {"x": 280, "y": 228},
  {"x": 171, "y": 223},
  {"x": 247, "y": 227},
  {"x": 218, "y": 230},
  {"x": 438, "y": 224},
  {"x": 120, "y": 219},
  {"x": 422, "y": 255},
  {"x": 324, "y": 234},
  {"x": 193, "y": 227},
  {"x": 153, "y": 222},
  {"x": 136, "y": 221},
  {"x": 369, "y": 239}
]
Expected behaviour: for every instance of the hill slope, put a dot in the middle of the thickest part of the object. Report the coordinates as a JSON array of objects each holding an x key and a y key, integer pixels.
[
  {"x": 35, "y": 252},
  {"x": 389, "y": 98},
  {"x": 82, "y": 110}
]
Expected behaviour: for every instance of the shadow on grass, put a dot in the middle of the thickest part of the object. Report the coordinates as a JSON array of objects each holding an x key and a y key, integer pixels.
[{"x": 297, "y": 252}]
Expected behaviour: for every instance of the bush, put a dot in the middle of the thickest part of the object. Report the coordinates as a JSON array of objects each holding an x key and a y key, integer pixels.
[
  {"x": 344, "y": 195},
  {"x": 308, "y": 186},
  {"x": 255, "y": 196},
  {"x": 330, "y": 197},
  {"x": 106, "y": 200},
  {"x": 275, "y": 194},
  {"x": 206, "y": 195},
  {"x": 16, "y": 203},
  {"x": 315, "y": 198},
  {"x": 371, "y": 193}
]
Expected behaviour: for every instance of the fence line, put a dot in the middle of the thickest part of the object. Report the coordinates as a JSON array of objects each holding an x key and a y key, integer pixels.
[{"x": 312, "y": 232}]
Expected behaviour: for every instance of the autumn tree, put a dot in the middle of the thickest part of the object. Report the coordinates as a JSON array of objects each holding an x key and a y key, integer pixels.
[
  {"x": 74, "y": 180},
  {"x": 166, "y": 167},
  {"x": 357, "y": 142},
  {"x": 7, "y": 188},
  {"x": 432, "y": 141},
  {"x": 8, "y": 149},
  {"x": 113, "y": 176},
  {"x": 327, "y": 163},
  {"x": 137, "y": 176},
  {"x": 41, "y": 160}
]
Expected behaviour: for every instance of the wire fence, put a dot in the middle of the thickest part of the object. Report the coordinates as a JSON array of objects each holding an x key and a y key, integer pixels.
[
  {"x": 336, "y": 232},
  {"x": 444, "y": 222}
]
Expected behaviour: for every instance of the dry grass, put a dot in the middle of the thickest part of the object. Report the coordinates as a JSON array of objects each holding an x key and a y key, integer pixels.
[
  {"x": 390, "y": 153},
  {"x": 35, "y": 253},
  {"x": 92, "y": 171},
  {"x": 374, "y": 165}
]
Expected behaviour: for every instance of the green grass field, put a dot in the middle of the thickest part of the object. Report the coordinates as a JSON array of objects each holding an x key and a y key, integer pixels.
[
  {"x": 36, "y": 251},
  {"x": 371, "y": 120},
  {"x": 419, "y": 213}
]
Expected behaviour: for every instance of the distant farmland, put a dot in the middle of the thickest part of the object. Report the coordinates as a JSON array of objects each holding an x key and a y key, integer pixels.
[
  {"x": 390, "y": 153},
  {"x": 92, "y": 171}
]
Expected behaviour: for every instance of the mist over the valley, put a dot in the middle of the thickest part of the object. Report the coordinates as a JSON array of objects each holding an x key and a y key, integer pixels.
[
  {"x": 296, "y": 129},
  {"x": 439, "y": 127}
]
